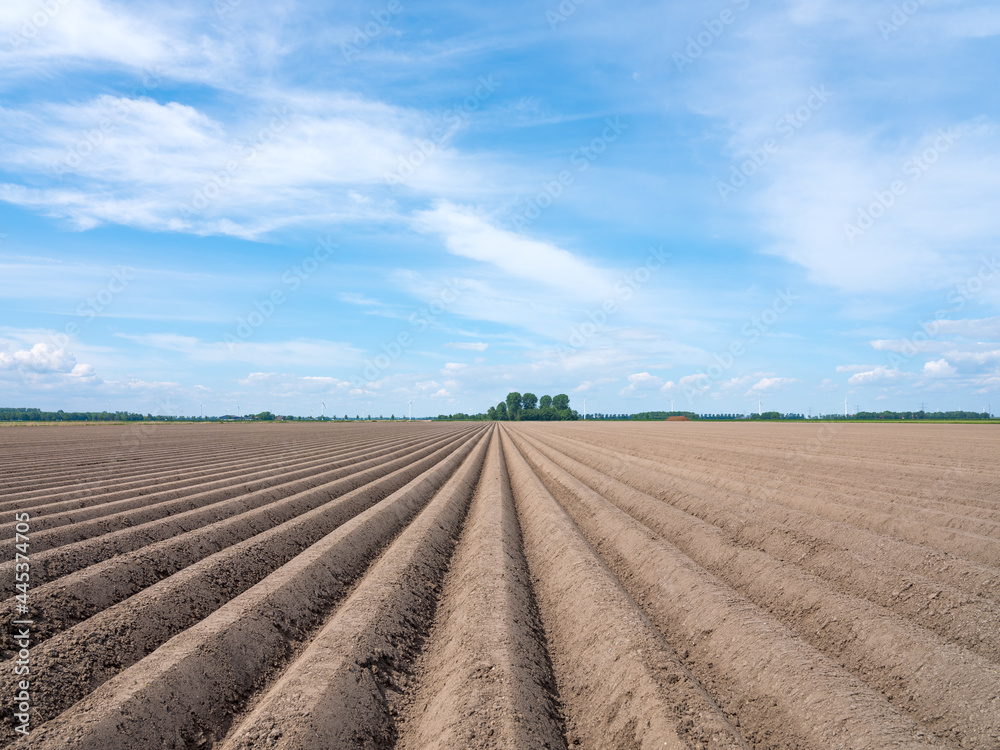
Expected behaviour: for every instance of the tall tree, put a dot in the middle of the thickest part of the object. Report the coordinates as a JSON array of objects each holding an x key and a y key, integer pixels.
[
  {"x": 561, "y": 401},
  {"x": 529, "y": 400},
  {"x": 501, "y": 410},
  {"x": 546, "y": 402},
  {"x": 513, "y": 404}
]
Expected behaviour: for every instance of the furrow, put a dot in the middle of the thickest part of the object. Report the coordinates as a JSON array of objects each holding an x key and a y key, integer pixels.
[
  {"x": 484, "y": 679},
  {"x": 971, "y": 622},
  {"x": 68, "y": 528},
  {"x": 902, "y": 661},
  {"x": 342, "y": 691},
  {"x": 948, "y": 569},
  {"x": 186, "y": 693},
  {"x": 620, "y": 685},
  {"x": 783, "y": 692},
  {"x": 73, "y": 598}
]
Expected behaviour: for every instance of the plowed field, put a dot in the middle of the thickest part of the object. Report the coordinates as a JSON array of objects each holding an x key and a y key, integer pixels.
[{"x": 477, "y": 585}]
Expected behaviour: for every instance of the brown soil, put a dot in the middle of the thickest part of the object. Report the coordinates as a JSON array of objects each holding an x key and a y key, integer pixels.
[{"x": 525, "y": 585}]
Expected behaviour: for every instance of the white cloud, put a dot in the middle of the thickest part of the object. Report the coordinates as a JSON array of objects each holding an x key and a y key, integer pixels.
[
  {"x": 981, "y": 355},
  {"x": 468, "y": 345},
  {"x": 691, "y": 385},
  {"x": 769, "y": 385},
  {"x": 81, "y": 29},
  {"x": 587, "y": 385},
  {"x": 281, "y": 159},
  {"x": 640, "y": 381},
  {"x": 358, "y": 299},
  {"x": 325, "y": 381},
  {"x": 981, "y": 329},
  {"x": 469, "y": 235},
  {"x": 834, "y": 160},
  {"x": 822, "y": 204},
  {"x": 41, "y": 359},
  {"x": 939, "y": 369},
  {"x": 878, "y": 374}
]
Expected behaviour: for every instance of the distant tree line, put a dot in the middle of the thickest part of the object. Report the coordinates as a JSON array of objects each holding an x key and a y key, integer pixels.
[
  {"x": 462, "y": 417},
  {"x": 658, "y": 416},
  {"x": 893, "y": 415},
  {"x": 24, "y": 414}
]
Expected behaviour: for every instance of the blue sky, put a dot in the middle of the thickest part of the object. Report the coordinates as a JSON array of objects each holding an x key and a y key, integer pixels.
[{"x": 715, "y": 205}]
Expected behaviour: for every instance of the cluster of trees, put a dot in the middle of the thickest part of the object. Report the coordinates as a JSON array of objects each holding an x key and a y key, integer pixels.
[{"x": 527, "y": 406}]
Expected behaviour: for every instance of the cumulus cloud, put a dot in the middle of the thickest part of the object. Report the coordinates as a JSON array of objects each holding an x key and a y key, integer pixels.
[
  {"x": 691, "y": 385},
  {"x": 41, "y": 359},
  {"x": 639, "y": 382},
  {"x": 940, "y": 368},
  {"x": 878, "y": 374},
  {"x": 473, "y": 346}
]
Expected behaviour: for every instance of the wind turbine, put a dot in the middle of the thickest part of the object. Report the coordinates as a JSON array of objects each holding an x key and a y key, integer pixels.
[
  {"x": 411, "y": 410},
  {"x": 323, "y": 413},
  {"x": 585, "y": 409},
  {"x": 845, "y": 406},
  {"x": 760, "y": 406}
]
